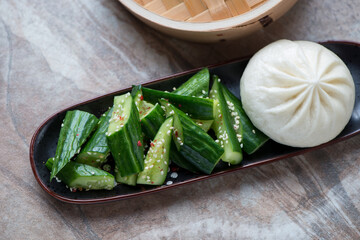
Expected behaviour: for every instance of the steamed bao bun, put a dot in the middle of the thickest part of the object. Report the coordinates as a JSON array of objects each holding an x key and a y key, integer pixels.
[{"x": 298, "y": 93}]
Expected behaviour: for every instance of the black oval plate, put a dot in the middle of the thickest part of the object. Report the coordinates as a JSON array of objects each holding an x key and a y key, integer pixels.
[{"x": 43, "y": 143}]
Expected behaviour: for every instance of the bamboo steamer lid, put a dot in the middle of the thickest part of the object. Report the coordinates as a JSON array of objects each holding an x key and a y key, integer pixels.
[{"x": 208, "y": 20}]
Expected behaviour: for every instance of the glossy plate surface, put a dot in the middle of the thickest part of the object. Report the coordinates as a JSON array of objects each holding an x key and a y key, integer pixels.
[{"x": 44, "y": 140}]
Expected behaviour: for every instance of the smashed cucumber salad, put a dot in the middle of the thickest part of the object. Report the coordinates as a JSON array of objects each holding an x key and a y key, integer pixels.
[{"x": 147, "y": 128}]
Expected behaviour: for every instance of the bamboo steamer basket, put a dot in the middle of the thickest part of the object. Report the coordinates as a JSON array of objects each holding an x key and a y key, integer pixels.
[{"x": 208, "y": 20}]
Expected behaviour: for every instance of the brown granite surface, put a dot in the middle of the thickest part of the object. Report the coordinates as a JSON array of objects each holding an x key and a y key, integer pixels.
[{"x": 57, "y": 53}]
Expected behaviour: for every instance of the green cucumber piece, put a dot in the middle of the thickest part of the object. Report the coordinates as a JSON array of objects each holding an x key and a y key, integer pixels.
[
  {"x": 204, "y": 124},
  {"x": 152, "y": 123},
  {"x": 195, "y": 145},
  {"x": 151, "y": 116},
  {"x": 157, "y": 158},
  {"x": 227, "y": 128},
  {"x": 179, "y": 160},
  {"x": 76, "y": 128},
  {"x": 196, "y": 86},
  {"x": 128, "y": 180},
  {"x": 81, "y": 176},
  {"x": 253, "y": 138},
  {"x": 124, "y": 136},
  {"x": 198, "y": 108},
  {"x": 96, "y": 150}
]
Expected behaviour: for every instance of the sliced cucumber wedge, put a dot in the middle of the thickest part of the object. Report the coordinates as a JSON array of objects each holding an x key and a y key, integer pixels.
[
  {"x": 196, "y": 86},
  {"x": 124, "y": 136},
  {"x": 96, "y": 150},
  {"x": 81, "y": 176},
  {"x": 76, "y": 128},
  {"x": 128, "y": 180},
  {"x": 204, "y": 124},
  {"x": 227, "y": 128},
  {"x": 197, "y": 108},
  {"x": 157, "y": 158},
  {"x": 195, "y": 145},
  {"x": 252, "y": 138},
  {"x": 151, "y": 116}
]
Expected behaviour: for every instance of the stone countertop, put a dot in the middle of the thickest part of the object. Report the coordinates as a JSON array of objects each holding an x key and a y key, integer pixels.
[{"x": 57, "y": 53}]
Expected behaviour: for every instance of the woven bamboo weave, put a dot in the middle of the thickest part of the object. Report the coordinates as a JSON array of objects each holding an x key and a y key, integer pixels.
[{"x": 199, "y": 10}]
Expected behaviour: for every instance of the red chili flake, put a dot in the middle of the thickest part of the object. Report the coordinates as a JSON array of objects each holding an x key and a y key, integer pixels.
[
  {"x": 141, "y": 97},
  {"x": 73, "y": 190},
  {"x": 176, "y": 134},
  {"x": 140, "y": 112},
  {"x": 174, "y": 169},
  {"x": 155, "y": 140},
  {"x": 152, "y": 144},
  {"x": 139, "y": 144},
  {"x": 77, "y": 134},
  {"x": 179, "y": 105},
  {"x": 121, "y": 118},
  {"x": 152, "y": 182}
]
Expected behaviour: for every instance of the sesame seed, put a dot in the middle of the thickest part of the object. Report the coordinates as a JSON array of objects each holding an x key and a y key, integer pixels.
[
  {"x": 169, "y": 182},
  {"x": 174, "y": 175}
]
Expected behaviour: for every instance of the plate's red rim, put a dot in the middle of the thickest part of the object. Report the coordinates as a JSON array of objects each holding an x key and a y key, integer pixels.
[{"x": 162, "y": 188}]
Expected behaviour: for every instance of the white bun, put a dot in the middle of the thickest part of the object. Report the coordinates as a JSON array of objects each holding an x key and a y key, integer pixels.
[{"x": 298, "y": 93}]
